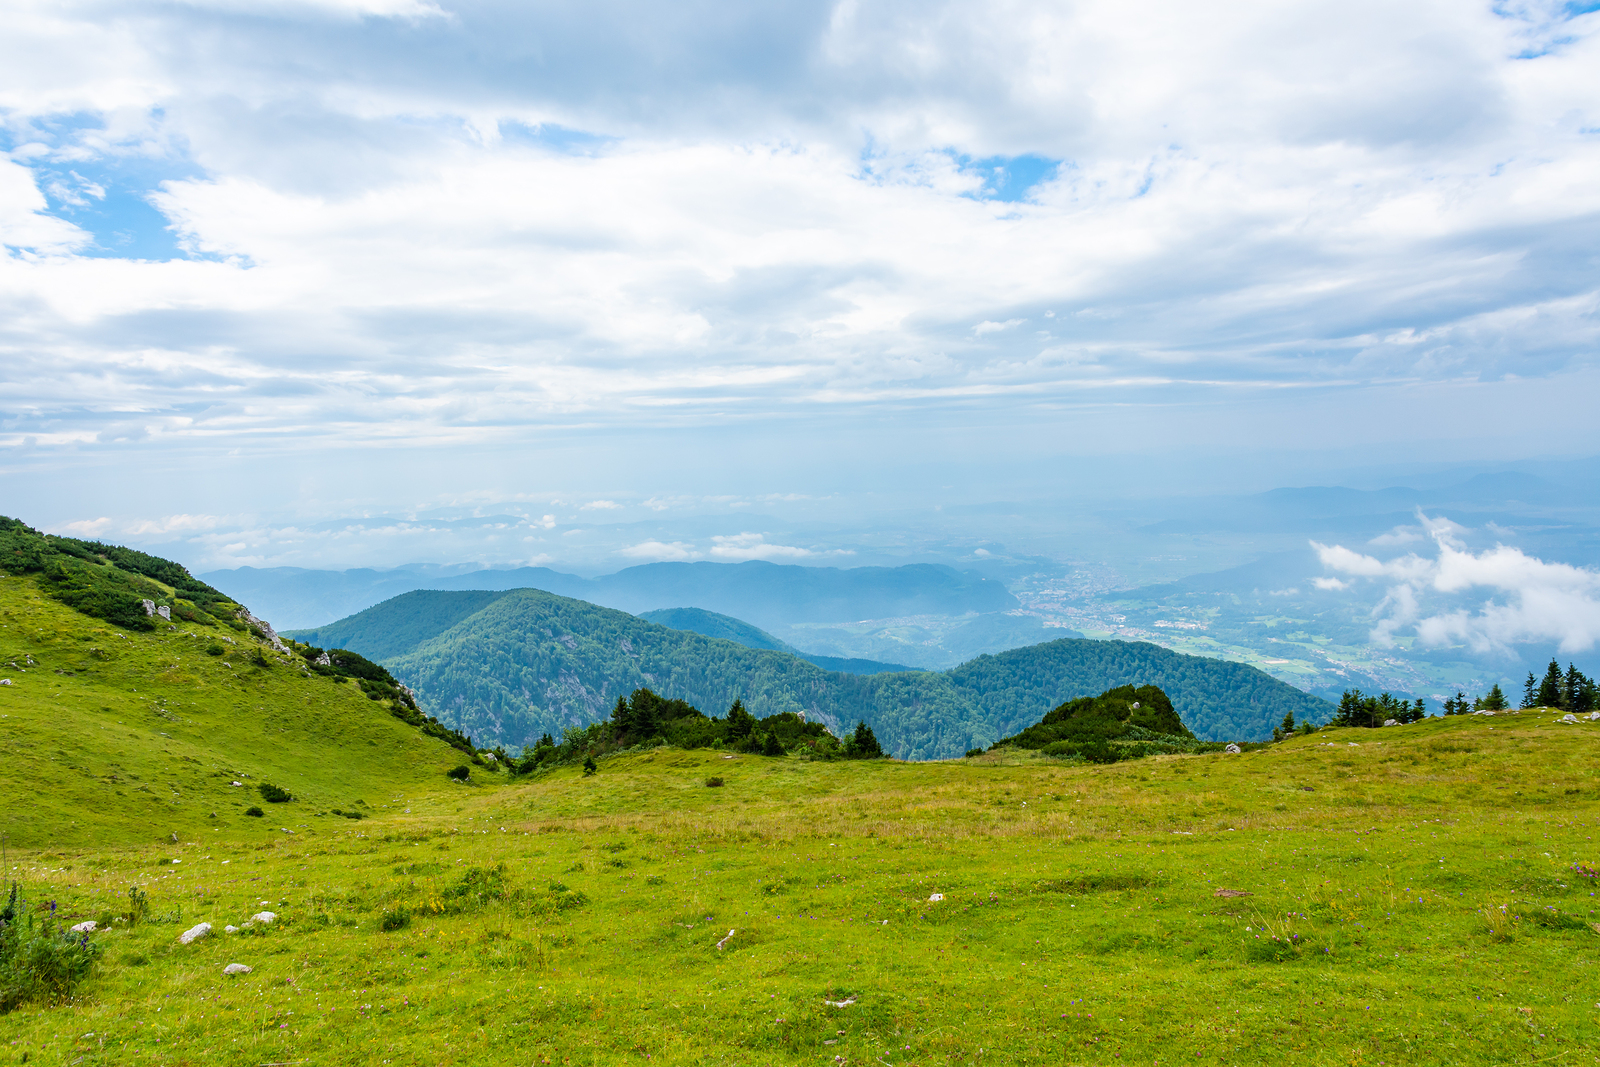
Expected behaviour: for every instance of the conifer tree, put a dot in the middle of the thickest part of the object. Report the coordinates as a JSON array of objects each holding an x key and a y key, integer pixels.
[
  {"x": 1550, "y": 695},
  {"x": 1528, "y": 693},
  {"x": 1495, "y": 700}
]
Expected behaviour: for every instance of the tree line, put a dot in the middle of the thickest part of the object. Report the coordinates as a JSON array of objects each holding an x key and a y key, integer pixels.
[{"x": 1569, "y": 690}]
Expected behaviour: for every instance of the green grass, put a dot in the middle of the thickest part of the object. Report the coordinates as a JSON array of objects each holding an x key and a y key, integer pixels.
[{"x": 1422, "y": 891}]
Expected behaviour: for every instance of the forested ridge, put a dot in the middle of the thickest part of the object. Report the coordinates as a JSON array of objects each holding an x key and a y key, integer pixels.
[{"x": 510, "y": 667}]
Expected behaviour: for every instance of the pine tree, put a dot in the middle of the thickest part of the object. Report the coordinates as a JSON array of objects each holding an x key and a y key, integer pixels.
[
  {"x": 1550, "y": 695},
  {"x": 770, "y": 745},
  {"x": 740, "y": 722},
  {"x": 1572, "y": 688},
  {"x": 1288, "y": 723},
  {"x": 589, "y": 766},
  {"x": 1496, "y": 700},
  {"x": 864, "y": 743},
  {"x": 1528, "y": 695}
]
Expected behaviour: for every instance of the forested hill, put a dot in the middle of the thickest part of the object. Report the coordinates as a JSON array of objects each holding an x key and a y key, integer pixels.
[
  {"x": 511, "y": 666},
  {"x": 712, "y": 624}
]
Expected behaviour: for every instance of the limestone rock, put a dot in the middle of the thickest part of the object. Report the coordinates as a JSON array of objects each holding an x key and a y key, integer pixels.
[
  {"x": 149, "y": 606},
  {"x": 174, "y": 837},
  {"x": 1569, "y": 717},
  {"x": 194, "y": 933},
  {"x": 324, "y": 660},
  {"x": 1391, "y": 722},
  {"x": 5, "y": 681},
  {"x": 230, "y": 929},
  {"x": 263, "y": 917},
  {"x": 165, "y": 612},
  {"x": 935, "y": 898},
  {"x": 87, "y": 927},
  {"x": 237, "y": 968},
  {"x": 1232, "y": 748},
  {"x": 265, "y": 627},
  {"x": 1594, "y": 716}
]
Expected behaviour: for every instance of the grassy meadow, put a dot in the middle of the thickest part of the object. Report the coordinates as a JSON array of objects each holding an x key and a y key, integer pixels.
[{"x": 1414, "y": 895}]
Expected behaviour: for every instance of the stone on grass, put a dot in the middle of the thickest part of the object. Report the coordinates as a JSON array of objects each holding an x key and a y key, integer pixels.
[
  {"x": 237, "y": 968},
  {"x": 1569, "y": 717},
  {"x": 1233, "y": 748},
  {"x": 1391, "y": 722},
  {"x": 87, "y": 927},
  {"x": 173, "y": 837},
  {"x": 935, "y": 898},
  {"x": 230, "y": 929},
  {"x": 194, "y": 933},
  {"x": 1230, "y": 893},
  {"x": 263, "y": 917}
]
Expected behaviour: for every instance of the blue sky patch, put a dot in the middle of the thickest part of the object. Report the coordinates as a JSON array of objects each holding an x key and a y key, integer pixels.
[
  {"x": 555, "y": 138},
  {"x": 1009, "y": 178}
]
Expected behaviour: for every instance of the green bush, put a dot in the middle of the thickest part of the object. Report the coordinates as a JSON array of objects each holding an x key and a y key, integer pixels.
[
  {"x": 589, "y": 766},
  {"x": 273, "y": 794},
  {"x": 214, "y": 649},
  {"x": 254, "y": 812},
  {"x": 39, "y": 960},
  {"x": 460, "y": 774},
  {"x": 713, "y": 782},
  {"x": 395, "y": 918},
  {"x": 974, "y": 752}
]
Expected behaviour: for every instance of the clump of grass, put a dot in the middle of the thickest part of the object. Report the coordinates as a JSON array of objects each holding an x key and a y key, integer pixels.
[
  {"x": 254, "y": 812},
  {"x": 395, "y": 918},
  {"x": 273, "y": 794},
  {"x": 714, "y": 782},
  {"x": 214, "y": 649},
  {"x": 39, "y": 960}
]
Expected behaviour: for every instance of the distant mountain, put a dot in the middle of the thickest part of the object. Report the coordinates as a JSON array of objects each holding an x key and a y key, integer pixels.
[
  {"x": 727, "y": 628},
  {"x": 766, "y": 594},
  {"x": 514, "y": 665}
]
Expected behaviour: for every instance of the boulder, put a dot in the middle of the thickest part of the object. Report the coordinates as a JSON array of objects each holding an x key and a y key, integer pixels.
[
  {"x": 173, "y": 837},
  {"x": 263, "y": 917},
  {"x": 149, "y": 606},
  {"x": 87, "y": 927},
  {"x": 1594, "y": 716},
  {"x": 1569, "y": 717},
  {"x": 1232, "y": 748},
  {"x": 935, "y": 898},
  {"x": 1391, "y": 722},
  {"x": 230, "y": 929},
  {"x": 237, "y": 968},
  {"x": 194, "y": 933},
  {"x": 165, "y": 612},
  {"x": 5, "y": 681}
]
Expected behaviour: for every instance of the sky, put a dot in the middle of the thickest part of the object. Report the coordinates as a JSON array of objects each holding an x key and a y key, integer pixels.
[{"x": 273, "y": 265}]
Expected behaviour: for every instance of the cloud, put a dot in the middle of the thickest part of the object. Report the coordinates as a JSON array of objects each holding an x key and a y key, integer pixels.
[
  {"x": 737, "y": 547},
  {"x": 1400, "y": 535},
  {"x": 1543, "y": 602},
  {"x": 600, "y": 505},
  {"x": 389, "y": 221},
  {"x": 659, "y": 550}
]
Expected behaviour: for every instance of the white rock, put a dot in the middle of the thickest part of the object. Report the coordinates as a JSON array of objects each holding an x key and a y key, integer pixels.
[
  {"x": 230, "y": 929},
  {"x": 165, "y": 612},
  {"x": 1391, "y": 722},
  {"x": 1233, "y": 748},
  {"x": 5, "y": 681},
  {"x": 194, "y": 933},
  {"x": 149, "y": 606},
  {"x": 87, "y": 927},
  {"x": 237, "y": 968},
  {"x": 935, "y": 898},
  {"x": 263, "y": 917},
  {"x": 1594, "y": 716}
]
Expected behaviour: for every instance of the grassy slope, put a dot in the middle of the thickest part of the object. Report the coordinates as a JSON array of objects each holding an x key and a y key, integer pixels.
[
  {"x": 134, "y": 737},
  {"x": 1426, "y": 870},
  {"x": 528, "y": 662}
]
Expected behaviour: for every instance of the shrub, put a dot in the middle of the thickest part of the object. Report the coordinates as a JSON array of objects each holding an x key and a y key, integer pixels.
[
  {"x": 395, "y": 918},
  {"x": 349, "y": 814},
  {"x": 39, "y": 961},
  {"x": 589, "y": 766},
  {"x": 214, "y": 649},
  {"x": 273, "y": 794},
  {"x": 138, "y": 905},
  {"x": 974, "y": 752},
  {"x": 254, "y": 812},
  {"x": 713, "y": 783},
  {"x": 770, "y": 745},
  {"x": 460, "y": 774}
]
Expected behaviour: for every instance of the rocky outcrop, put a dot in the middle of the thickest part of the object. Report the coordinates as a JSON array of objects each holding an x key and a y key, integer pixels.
[{"x": 264, "y": 627}]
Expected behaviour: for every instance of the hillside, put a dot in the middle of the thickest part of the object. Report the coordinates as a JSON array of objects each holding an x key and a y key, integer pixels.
[
  {"x": 528, "y": 662},
  {"x": 116, "y": 733},
  {"x": 727, "y": 628},
  {"x": 1416, "y": 895}
]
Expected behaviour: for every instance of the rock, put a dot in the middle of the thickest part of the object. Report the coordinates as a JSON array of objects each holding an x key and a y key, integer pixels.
[
  {"x": 237, "y": 968},
  {"x": 5, "y": 681},
  {"x": 88, "y": 927},
  {"x": 263, "y": 917},
  {"x": 1569, "y": 717},
  {"x": 1594, "y": 716},
  {"x": 1233, "y": 748},
  {"x": 194, "y": 933},
  {"x": 935, "y": 898},
  {"x": 264, "y": 627},
  {"x": 1230, "y": 893},
  {"x": 230, "y": 929},
  {"x": 323, "y": 660},
  {"x": 1391, "y": 722},
  {"x": 165, "y": 612},
  {"x": 174, "y": 837},
  {"x": 149, "y": 606},
  {"x": 1483, "y": 713}
]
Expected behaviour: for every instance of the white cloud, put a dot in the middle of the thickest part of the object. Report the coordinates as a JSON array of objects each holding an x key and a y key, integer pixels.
[
  {"x": 738, "y": 547},
  {"x": 1544, "y": 602},
  {"x": 600, "y": 505},
  {"x": 1330, "y": 583},
  {"x": 996, "y": 327},
  {"x": 1400, "y": 535},
  {"x": 659, "y": 550}
]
